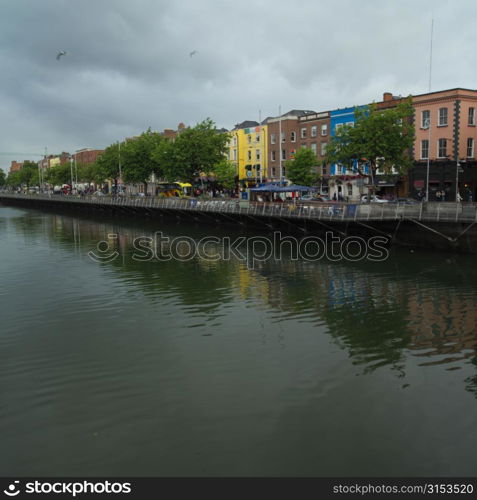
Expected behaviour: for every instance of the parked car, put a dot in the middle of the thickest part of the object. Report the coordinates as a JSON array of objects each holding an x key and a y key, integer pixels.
[{"x": 374, "y": 199}]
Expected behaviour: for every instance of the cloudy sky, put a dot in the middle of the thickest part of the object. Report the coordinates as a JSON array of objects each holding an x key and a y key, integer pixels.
[{"x": 129, "y": 67}]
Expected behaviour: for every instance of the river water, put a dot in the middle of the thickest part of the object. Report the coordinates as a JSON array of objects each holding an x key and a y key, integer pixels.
[{"x": 202, "y": 367}]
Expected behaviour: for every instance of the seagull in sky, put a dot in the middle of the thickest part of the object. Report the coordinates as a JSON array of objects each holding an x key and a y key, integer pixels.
[
  {"x": 193, "y": 53},
  {"x": 61, "y": 53}
]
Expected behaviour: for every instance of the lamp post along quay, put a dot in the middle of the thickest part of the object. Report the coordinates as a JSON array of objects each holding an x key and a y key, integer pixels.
[{"x": 427, "y": 124}]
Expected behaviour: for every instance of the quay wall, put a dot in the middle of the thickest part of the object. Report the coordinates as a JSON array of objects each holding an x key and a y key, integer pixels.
[{"x": 446, "y": 227}]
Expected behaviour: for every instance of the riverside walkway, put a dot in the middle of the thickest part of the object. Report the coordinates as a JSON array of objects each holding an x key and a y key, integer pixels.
[{"x": 319, "y": 211}]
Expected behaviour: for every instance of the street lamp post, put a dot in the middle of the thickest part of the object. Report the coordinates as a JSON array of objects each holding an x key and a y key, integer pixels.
[
  {"x": 428, "y": 126},
  {"x": 71, "y": 173},
  {"x": 119, "y": 165}
]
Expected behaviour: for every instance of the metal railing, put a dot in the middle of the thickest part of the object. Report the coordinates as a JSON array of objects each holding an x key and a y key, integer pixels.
[{"x": 437, "y": 212}]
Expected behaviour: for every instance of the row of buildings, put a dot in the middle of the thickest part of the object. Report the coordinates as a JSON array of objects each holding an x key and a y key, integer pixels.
[
  {"x": 82, "y": 156},
  {"x": 446, "y": 133}
]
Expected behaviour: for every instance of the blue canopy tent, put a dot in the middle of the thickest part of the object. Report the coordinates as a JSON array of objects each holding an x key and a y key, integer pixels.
[
  {"x": 296, "y": 187},
  {"x": 267, "y": 188}
]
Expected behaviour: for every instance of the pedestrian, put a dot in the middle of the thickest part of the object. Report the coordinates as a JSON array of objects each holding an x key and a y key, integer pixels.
[{"x": 438, "y": 195}]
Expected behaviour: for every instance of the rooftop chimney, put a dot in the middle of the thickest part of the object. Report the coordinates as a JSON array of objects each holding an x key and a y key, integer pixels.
[{"x": 387, "y": 96}]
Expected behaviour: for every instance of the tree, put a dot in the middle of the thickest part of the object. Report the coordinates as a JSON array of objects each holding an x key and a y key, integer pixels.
[
  {"x": 300, "y": 169},
  {"x": 107, "y": 165},
  {"x": 29, "y": 174},
  {"x": 91, "y": 172},
  {"x": 137, "y": 158},
  {"x": 13, "y": 179},
  {"x": 59, "y": 175},
  {"x": 195, "y": 150},
  {"x": 225, "y": 173},
  {"x": 3, "y": 178},
  {"x": 381, "y": 139}
]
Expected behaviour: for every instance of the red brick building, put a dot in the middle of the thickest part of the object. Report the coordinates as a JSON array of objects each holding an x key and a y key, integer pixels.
[
  {"x": 283, "y": 141},
  {"x": 16, "y": 166},
  {"x": 87, "y": 155}
]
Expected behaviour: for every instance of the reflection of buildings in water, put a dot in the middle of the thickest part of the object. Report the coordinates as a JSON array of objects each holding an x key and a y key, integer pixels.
[
  {"x": 251, "y": 285},
  {"x": 441, "y": 319},
  {"x": 444, "y": 321}
]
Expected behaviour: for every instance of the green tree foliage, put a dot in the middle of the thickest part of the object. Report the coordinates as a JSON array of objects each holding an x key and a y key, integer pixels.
[
  {"x": 137, "y": 158},
  {"x": 381, "y": 138},
  {"x": 91, "y": 172},
  {"x": 194, "y": 150},
  {"x": 106, "y": 166},
  {"x": 225, "y": 173},
  {"x": 13, "y": 179},
  {"x": 29, "y": 174},
  {"x": 3, "y": 178},
  {"x": 300, "y": 170},
  {"x": 59, "y": 175},
  {"x": 26, "y": 176}
]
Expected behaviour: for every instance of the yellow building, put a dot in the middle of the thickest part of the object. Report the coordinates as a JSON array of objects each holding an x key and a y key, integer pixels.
[
  {"x": 54, "y": 162},
  {"x": 248, "y": 151}
]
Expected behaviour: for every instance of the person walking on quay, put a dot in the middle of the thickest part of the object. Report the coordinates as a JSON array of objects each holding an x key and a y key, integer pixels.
[{"x": 438, "y": 196}]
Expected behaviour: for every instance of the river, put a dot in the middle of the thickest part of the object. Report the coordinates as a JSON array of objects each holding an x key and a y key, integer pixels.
[{"x": 212, "y": 367}]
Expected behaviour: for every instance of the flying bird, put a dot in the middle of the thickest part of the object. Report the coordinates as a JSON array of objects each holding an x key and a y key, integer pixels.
[
  {"x": 61, "y": 53},
  {"x": 193, "y": 53}
]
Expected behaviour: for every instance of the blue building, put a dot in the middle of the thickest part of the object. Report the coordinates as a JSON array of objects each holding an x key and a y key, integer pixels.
[{"x": 345, "y": 179}]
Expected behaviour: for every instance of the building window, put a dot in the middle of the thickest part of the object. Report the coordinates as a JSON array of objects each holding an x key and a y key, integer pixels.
[
  {"x": 313, "y": 147},
  {"x": 235, "y": 140},
  {"x": 472, "y": 116},
  {"x": 323, "y": 170},
  {"x": 350, "y": 189},
  {"x": 257, "y": 154},
  {"x": 303, "y": 133},
  {"x": 324, "y": 129},
  {"x": 442, "y": 117},
  {"x": 249, "y": 139},
  {"x": 273, "y": 155},
  {"x": 339, "y": 169},
  {"x": 274, "y": 171},
  {"x": 338, "y": 127},
  {"x": 272, "y": 138},
  {"x": 314, "y": 130},
  {"x": 424, "y": 149},
  {"x": 283, "y": 136},
  {"x": 293, "y": 136},
  {"x": 470, "y": 147},
  {"x": 442, "y": 152},
  {"x": 257, "y": 138},
  {"x": 323, "y": 148},
  {"x": 284, "y": 154},
  {"x": 425, "y": 118}
]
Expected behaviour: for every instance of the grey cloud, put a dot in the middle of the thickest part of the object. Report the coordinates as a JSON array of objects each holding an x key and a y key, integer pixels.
[{"x": 128, "y": 65}]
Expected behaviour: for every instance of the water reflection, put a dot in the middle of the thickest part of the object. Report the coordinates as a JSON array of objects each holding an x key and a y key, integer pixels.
[
  {"x": 421, "y": 304},
  {"x": 209, "y": 367}
]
